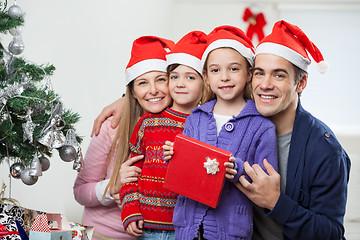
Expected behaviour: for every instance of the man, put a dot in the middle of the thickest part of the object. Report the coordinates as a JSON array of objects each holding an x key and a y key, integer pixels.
[{"x": 307, "y": 200}]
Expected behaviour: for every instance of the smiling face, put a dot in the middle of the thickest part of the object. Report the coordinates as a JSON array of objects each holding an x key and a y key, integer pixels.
[
  {"x": 186, "y": 86},
  {"x": 274, "y": 89},
  {"x": 151, "y": 90},
  {"x": 227, "y": 73}
]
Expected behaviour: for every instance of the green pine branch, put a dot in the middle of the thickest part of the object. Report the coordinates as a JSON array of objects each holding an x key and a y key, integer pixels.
[
  {"x": 16, "y": 73},
  {"x": 7, "y": 23}
]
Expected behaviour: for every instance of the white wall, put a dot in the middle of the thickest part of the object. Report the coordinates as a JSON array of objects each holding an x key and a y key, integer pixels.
[{"x": 89, "y": 43}]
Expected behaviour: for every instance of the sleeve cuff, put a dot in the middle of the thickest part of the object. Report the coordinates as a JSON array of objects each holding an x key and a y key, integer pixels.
[
  {"x": 106, "y": 199},
  {"x": 239, "y": 172},
  {"x": 132, "y": 218},
  {"x": 283, "y": 209}
]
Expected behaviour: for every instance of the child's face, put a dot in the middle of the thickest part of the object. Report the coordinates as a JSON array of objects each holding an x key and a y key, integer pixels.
[
  {"x": 185, "y": 85},
  {"x": 227, "y": 74},
  {"x": 152, "y": 92}
]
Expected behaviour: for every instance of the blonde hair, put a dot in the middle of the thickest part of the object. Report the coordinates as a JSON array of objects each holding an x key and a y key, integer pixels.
[{"x": 132, "y": 111}]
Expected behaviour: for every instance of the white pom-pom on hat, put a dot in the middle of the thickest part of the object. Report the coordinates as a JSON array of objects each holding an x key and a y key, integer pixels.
[{"x": 323, "y": 67}]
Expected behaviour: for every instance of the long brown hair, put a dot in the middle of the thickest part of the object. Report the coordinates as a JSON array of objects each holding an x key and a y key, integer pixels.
[{"x": 132, "y": 111}]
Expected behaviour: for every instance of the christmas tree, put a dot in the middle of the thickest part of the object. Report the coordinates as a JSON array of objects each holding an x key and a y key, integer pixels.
[{"x": 32, "y": 119}]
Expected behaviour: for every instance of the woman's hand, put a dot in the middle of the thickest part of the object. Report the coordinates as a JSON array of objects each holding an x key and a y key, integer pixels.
[{"x": 129, "y": 173}]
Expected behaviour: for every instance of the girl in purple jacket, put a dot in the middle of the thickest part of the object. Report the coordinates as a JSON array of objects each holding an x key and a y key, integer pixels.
[{"x": 231, "y": 122}]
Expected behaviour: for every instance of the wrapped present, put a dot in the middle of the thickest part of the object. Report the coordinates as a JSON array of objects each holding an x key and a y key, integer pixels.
[
  {"x": 80, "y": 232},
  {"x": 49, "y": 227},
  {"x": 9, "y": 213},
  {"x": 197, "y": 170}
]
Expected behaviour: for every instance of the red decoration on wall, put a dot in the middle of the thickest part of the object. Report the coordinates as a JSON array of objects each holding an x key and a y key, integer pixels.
[{"x": 256, "y": 24}]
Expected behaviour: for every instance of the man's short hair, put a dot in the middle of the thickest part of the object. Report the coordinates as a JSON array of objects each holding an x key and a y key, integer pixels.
[{"x": 299, "y": 74}]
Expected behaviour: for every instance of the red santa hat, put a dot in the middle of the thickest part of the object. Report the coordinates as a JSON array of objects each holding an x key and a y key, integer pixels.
[
  {"x": 148, "y": 54},
  {"x": 189, "y": 50},
  {"x": 290, "y": 42},
  {"x": 232, "y": 37}
]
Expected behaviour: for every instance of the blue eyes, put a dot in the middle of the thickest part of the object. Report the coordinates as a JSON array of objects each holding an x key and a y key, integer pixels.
[
  {"x": 275, "y": 75},
  {"x": 258, "y": 73},
  {"x": 188, "y": 77}
]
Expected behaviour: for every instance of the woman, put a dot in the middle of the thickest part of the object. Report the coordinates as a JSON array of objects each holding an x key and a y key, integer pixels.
[{"x": 98, "y": 184}]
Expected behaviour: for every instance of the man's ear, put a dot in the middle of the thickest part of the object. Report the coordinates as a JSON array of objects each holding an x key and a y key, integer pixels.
[{"x": 301, "y": 84}]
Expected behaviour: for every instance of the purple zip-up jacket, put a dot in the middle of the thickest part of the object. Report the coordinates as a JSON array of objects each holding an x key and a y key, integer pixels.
[{"x": 249, "y": 137}]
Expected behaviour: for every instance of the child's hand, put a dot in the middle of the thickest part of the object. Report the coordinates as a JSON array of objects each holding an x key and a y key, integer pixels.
[
  {"x": 135, "y": 228},
  {"x": 168, "y": 150},
  {"x": 230, "y": 171}
]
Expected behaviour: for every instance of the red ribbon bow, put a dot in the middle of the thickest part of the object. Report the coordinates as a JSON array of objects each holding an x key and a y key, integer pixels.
[{"x": 257, "y": 22}]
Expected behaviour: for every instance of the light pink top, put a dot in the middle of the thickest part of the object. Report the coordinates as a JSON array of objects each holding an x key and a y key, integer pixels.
[{"x": 103, "y": 214}]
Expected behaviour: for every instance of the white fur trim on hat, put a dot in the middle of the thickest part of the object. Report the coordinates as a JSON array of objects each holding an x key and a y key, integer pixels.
[
  {"x": 231, "y": 43},
  {"x": 143, "y": 67},
  {"x": 284, "y": 52},
  {"x": 184, "y": 59}
]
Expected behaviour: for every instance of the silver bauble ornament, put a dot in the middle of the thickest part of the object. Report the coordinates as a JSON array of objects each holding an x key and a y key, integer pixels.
[
  {"x": 16, "y": 170},
  {"x": 26, "y": 178},
  {"x": 45, "y": 163},
  {"x": 15, "y": 11},
  {"x": 67, "y": 153},
  {"x": 16, "y": 46}
]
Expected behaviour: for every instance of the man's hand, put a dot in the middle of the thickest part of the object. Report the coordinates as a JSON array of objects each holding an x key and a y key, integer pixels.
[
  {"x": 168, "y": 150},
  {"x": 135, "y": 228},
  {"x": 230, "y": 171},
  {"x": 114, "y": 109},
  {"x": 264, "y": 191}
]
